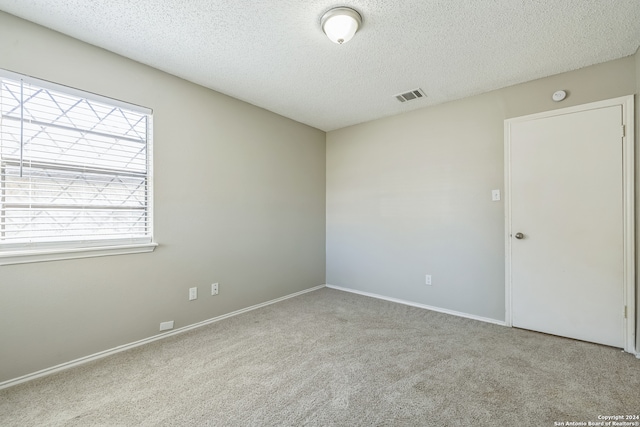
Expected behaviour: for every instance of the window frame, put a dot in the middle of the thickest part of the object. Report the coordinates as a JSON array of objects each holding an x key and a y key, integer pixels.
[{"x": 86, "y": 248}]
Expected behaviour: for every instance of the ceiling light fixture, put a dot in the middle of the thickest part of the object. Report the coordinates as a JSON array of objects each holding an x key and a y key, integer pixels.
[{"x": 340, "y": 24}]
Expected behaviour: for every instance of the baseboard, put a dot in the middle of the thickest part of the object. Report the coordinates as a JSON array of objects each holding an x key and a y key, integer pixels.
[
  {"x": 105, "y": 353},
  {"x": 418, "y": 305}
]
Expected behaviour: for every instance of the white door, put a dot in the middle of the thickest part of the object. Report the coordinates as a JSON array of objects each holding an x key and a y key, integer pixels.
[{"x": 566, "y": 198}]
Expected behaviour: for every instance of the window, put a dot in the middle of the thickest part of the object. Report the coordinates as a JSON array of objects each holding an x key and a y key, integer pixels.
[{"x": 75, "y": 173}]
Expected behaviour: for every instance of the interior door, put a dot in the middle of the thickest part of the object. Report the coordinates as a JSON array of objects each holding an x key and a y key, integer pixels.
[{"x": 566, "y": 195}]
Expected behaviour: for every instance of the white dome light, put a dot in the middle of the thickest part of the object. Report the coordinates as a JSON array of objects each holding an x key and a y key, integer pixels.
[{"x": 340, "y": 24}]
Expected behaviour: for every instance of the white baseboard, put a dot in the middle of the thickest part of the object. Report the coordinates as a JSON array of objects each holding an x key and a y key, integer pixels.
[
  {"x": 105, "y": 353},
  {"x": 418, "y": 305}
]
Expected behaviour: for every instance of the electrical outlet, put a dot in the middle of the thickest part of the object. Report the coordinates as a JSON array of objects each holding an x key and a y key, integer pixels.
[
  {"x": 193, "y": 294},
  {"x": 427, "y": 279},
  {"x": 165, "y": 326},
  {"x": 214, "y": 289}
]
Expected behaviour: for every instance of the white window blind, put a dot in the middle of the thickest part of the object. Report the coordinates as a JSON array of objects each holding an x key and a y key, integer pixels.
[{"x": 74, "y": 168}]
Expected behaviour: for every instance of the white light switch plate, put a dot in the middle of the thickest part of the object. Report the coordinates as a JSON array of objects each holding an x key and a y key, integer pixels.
[{"x": 495, "y": 195}]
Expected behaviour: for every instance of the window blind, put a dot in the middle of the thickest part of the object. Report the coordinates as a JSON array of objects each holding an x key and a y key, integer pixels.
[{"x": 74, "y": 170}]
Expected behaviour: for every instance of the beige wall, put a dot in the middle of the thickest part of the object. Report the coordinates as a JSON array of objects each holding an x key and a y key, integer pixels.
[
  {"x": 239, "y": 199},
  {"x": 410, "y": 195}
]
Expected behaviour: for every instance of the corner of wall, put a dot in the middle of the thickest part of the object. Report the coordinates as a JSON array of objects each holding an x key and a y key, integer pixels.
[{"x": 637, "y": 133}]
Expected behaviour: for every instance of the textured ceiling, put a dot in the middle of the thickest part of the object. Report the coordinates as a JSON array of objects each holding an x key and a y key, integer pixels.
[{"x": 273, "y": 53}]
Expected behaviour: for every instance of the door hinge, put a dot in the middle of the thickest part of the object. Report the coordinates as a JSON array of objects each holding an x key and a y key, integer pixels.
[
  {"x": 625, "y": 311},
  {"x": 622, "y": 129}
]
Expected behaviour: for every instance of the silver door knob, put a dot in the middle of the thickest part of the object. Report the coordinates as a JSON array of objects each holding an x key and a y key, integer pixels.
[{"x": 519, "y": 236}]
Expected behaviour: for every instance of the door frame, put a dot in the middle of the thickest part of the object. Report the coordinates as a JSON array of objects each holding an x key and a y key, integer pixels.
[{"x": 628, "y": 201}]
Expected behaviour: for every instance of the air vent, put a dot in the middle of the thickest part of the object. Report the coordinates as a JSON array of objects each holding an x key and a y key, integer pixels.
[{"x": 411, "y": 95}]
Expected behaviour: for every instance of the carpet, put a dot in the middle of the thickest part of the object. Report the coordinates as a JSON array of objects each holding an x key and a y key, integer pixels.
[{"x": 332, "y": 358}]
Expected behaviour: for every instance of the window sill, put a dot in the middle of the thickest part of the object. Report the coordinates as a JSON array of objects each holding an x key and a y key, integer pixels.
[{"x": 44, "y": 255}]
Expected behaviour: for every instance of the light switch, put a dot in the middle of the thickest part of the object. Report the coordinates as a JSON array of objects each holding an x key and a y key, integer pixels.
[{"x": 495, "y": 195}]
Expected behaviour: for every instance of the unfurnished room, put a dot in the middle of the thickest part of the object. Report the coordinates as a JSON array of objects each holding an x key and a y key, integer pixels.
[{"x": 286, "y": 213}]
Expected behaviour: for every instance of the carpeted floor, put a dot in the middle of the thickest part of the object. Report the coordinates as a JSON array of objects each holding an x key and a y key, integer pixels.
[{"x": 332, "y": 358}]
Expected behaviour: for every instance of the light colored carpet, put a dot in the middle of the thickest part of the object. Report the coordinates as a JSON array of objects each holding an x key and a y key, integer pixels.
[{"x": 333, "y": 358}]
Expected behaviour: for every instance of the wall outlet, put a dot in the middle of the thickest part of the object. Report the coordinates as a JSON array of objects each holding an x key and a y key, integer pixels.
[
  {"x": 427, "y": 279},
  {"x": 193, "y": 294},
  {"x": 165, "y": 326},
  {"x": 214, "y": 289}
]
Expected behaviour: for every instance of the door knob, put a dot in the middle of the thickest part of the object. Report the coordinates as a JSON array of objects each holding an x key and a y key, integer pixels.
[{"x": 519, "y": 236}]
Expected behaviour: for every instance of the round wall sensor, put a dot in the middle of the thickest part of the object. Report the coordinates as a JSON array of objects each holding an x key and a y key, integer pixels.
[{"x": 559, "y": 95}]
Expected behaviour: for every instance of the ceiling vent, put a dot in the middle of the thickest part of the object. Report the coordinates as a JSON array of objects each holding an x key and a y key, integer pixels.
[{"x": 411, "y": 95}]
